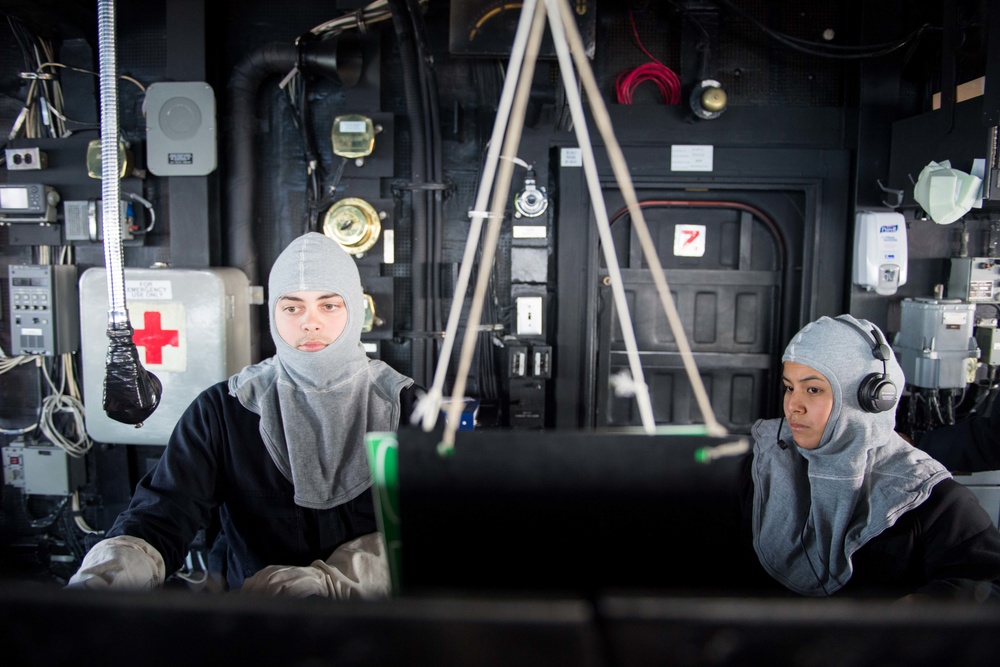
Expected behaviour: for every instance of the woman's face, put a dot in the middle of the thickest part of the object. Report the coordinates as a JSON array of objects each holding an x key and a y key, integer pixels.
[{"x": 808, "y": 402}]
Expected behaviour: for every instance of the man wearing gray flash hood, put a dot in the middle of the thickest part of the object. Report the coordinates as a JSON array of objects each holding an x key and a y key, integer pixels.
[
  {"x": 277, "y": 451},
  {"x": 837, "y": 503}
]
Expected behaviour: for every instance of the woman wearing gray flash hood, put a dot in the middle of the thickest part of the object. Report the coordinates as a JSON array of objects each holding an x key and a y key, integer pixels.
[
  {"x": 276, "y": 454},
  {"x": 837, "y": 503}
]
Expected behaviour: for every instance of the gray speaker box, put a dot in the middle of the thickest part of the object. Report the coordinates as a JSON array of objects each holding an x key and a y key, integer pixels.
[{"x": 180, "y": 128}]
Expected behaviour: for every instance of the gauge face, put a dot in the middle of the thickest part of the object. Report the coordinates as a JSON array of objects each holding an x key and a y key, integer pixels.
[
  {"x": 354, "y": 224},
  {"x": 353, "y": 136},
  {"x": 487, "y": 27}
]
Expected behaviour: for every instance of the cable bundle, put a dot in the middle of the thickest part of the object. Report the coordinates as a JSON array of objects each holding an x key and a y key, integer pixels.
[{"x": 665, "y": 79}]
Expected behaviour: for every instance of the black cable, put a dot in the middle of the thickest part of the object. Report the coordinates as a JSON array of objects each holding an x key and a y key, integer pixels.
[
  {"x": 935, "y": 406},
  {"x": 422, "y": 363},
  {"x": 46, "y": 521},
  {"x": 69, "y": 533},
  {"x": 25, "y": 38},
  {"x": 835, "y": 51},
  {"x": 316, "y": 207},
  {"x": 703, "y": 47},
  {"x": 432, "y": 131}
]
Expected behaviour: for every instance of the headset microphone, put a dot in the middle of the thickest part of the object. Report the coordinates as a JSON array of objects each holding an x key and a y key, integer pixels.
[{"x": 781, "y": 443}]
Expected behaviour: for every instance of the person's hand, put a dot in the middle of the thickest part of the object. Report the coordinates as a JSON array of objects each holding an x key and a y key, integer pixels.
[
  {"x": 357, "y": 569},
  {"x": 292, "y": 581},
  {"x": 120, "y": 563}
]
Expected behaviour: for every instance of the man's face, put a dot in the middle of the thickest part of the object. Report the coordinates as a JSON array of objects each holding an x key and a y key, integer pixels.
[
  {"x": 808, "y": 403},
  {"x": 309, "y": 320}
]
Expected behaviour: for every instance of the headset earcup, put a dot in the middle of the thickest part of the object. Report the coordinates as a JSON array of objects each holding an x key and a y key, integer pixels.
[{"x": 877, "y": 393}]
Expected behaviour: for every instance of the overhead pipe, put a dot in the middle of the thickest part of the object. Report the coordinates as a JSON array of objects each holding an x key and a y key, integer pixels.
[{"x": 337, "y": 58}]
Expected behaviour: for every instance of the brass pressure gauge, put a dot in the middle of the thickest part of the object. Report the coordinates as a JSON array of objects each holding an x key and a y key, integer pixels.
[
  {"x": 354, "y": 224},
  {"x": 353, "y": 136}
]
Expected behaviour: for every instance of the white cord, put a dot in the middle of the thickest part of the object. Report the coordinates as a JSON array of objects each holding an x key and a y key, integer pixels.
[
  {"x": 191, "y": 575},
  {"x": 59, "y": 402},
  {"x": 149, "y": 207},
  {"x": 80, "y": 523},
  {"x": 428, "y": 407},
  {"x": 371, "y": 13},
  {"x": 624, "y": 180},
  {"x": 10, "y": 363},
  {"x": 523, "y": 60},
  {"x": 601, "y": 215},
  {"x": 499, "y": 203}
]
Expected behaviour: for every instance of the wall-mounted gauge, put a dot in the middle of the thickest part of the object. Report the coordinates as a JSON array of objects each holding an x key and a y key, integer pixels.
[
  {"x": 353, "y": 136},
  {"x": 354, "y": 224}
]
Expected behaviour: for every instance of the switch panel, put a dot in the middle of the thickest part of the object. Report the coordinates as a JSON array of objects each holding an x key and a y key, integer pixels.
[
  {"x": 529, "y": 315},
  {"x": 13, "y": 465},
  {"x": 43, "y": 307}
]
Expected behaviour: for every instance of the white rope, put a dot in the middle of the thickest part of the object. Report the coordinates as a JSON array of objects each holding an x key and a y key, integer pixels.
[
  {"x": 499, "y": 203},
  {"x": 601, "y": 214},
  {"x": 567, "y": 41},
  {"x": 428, "y": 407},
  {"x": 624, "y": 179}
]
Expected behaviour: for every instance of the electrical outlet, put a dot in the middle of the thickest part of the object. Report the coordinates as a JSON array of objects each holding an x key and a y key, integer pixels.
[
  {"x": 541, "y": 361},
  {"x": 518, "y": 361},
  {"x": 26, "y": 158}
]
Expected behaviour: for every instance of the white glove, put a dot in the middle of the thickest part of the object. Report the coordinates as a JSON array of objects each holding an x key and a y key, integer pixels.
[
  {"x": 358, "y": 569},
  {"x": 122, "y": 563}
]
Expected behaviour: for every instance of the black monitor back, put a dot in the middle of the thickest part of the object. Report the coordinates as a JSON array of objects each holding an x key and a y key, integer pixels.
[{"x": 569, "y": 513}]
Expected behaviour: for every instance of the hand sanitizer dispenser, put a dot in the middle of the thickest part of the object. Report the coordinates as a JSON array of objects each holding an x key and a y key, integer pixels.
[{"x": 880, "y": 251}]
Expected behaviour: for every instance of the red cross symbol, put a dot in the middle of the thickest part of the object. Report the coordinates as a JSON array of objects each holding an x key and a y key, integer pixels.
[{"x": 154, "y": 338}]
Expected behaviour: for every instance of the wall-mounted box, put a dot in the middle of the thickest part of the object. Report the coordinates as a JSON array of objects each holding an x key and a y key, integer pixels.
[{"x": 192, "y": 329}]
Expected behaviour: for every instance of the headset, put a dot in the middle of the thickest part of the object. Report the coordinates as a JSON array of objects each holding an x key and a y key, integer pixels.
[{"x": 876, "y": 392}]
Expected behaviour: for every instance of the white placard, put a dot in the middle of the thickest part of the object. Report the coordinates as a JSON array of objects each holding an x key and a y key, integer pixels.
[
  {"x": 148, "y": 289},
  {"x": 529, "y": 232},
  {"x": 689, "y": 240},
  {"x": 571, "y": 157},
  {"x": 691, "y": 158}
]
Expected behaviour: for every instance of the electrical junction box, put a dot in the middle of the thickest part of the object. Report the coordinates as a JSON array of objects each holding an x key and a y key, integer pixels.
[
  {"x": 180, "y": 128},
  {"x": 974, "y": 279},
  {"x": 880, "y": 251},
  {"x": 84, "y": 220},
  {"x": 191, "y": 330},
  {"x": 989, "y": 345},
  {"x": 44, "y": 470},
  {"x": 935, "y": 344}
]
